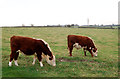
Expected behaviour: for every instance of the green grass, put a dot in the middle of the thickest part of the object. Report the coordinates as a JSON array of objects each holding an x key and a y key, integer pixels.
[{"x": 104, "y": 65}]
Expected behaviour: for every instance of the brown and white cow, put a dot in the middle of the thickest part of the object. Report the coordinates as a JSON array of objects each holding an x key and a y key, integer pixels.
[
  {"x": 81, "y": 42},
  {"x": 30, "y": 46}
]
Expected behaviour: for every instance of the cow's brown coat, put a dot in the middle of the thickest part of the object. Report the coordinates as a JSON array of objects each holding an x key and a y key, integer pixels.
[{"x": 85, "y": 42}]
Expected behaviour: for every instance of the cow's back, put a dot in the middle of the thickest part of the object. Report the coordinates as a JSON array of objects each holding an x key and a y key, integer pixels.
[
  {"x": 76, "y": 38},
  {"x": 82, "y": 40},
  {"x": 25, "y": 44},
  {"x": 19, "y": 40}
]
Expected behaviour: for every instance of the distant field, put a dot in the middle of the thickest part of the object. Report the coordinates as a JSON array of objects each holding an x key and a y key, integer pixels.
[{"x": 104, "y": 65}]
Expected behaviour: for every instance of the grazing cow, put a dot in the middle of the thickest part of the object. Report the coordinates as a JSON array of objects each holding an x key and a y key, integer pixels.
[
  {"x": 81, "y": 42},
  {"x": 31, "y": 46}
]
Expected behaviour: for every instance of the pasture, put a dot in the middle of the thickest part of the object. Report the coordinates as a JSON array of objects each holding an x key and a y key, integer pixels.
[{"x": 104, "y": 65}]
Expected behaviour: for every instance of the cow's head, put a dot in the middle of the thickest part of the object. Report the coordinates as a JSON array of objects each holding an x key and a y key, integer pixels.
[
  {"x": 51, "y": 60},
  {"x": 94, "y": 51}
]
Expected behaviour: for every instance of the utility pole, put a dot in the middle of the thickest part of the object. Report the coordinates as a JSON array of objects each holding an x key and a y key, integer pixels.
[
  {"x": 88, "y": 21},
  {"x": 119, "y": 13}
]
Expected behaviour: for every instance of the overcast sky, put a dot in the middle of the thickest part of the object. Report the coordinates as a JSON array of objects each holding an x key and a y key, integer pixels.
[{"x": 53, "y": 12}]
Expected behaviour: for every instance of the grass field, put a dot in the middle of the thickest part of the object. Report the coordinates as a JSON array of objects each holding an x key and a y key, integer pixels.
[{"x": 104, "y": 65}]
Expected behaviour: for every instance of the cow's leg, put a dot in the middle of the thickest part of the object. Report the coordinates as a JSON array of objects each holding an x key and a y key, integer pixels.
[
  {"x": 41, "y": 64},
  {"x": 84, "y": 51},
  {"x": 70, "y": 50},
  {"x": 90, "y": 52},
  {"x": 12, "y": 55},
  {"x": 11, "y": 58},
  {"x": 16, "y": 57},
  {"x": 34, "y": 59},
  {"x": 39, "y": 56}
]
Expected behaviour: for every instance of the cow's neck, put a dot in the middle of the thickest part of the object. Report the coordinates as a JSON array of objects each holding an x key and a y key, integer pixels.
[{"x": 49, "y": 54}]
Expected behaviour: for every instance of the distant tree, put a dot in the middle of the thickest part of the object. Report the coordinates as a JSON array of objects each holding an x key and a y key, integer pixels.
[
  {"x": 101, "y": 24},
  {"x": 95, "y": 25},
  {"x": 113, "y": 24},
  {"x": 72, "y": 24},
  {"x": 23, "y": 25},
  {"x": 68, "y": 25},
  {"x": 32, "y": 25}
]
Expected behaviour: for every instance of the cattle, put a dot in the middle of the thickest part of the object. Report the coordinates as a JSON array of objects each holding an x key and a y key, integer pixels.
[
  {"x": 31, "y": 46},
  {"x": 78, "y": 42}
]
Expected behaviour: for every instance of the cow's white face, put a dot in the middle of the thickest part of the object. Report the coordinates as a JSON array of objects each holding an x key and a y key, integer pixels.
[
  {"x": 95, "y": 51},
  {"x": 51, "y": 62}
]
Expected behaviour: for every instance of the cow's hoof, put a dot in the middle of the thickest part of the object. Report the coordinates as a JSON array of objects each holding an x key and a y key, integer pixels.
[
  {"x": 33, "y": 63},
  {"x": 70, "y": 55},
  {"x": 16, "y": 65},
  {"x": 10, "y": 64}
]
